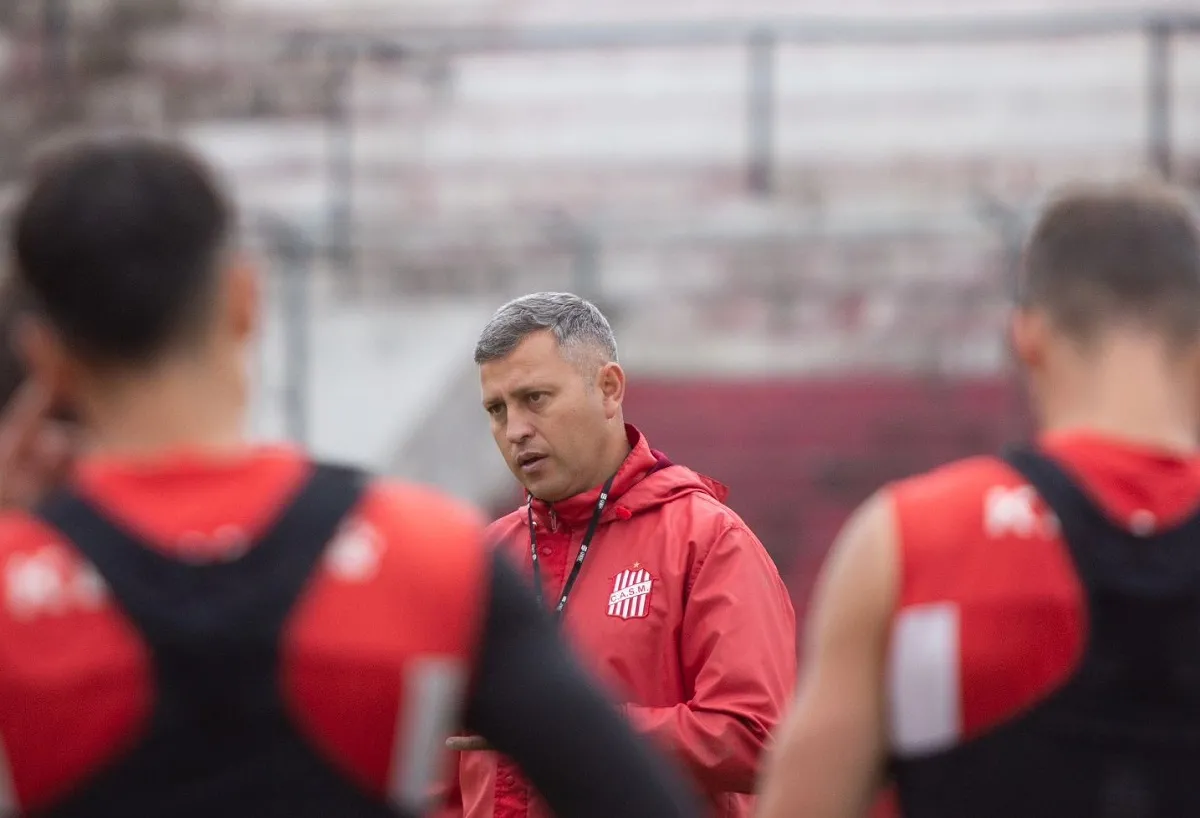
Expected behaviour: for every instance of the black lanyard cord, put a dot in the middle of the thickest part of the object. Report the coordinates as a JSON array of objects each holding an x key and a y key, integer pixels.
[{"x": 583, "y": 548}]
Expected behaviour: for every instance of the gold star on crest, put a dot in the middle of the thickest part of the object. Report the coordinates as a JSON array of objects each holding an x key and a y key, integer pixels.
[{"x": 637, "y": 565}]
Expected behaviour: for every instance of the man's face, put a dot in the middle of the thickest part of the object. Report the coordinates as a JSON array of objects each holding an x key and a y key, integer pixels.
[{"x": 549, "y": 417}]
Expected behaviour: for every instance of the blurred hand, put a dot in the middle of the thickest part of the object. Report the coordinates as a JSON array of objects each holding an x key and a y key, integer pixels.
[
  {"x": 35, "y": 450},
  {"x": 462, "y": 744}
]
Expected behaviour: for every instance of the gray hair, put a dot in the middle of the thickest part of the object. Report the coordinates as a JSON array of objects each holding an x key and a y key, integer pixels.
[{"x": 575, "y": 322}]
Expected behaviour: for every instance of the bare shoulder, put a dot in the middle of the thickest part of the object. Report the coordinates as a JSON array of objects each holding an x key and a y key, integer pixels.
[
  {"x": 859, "y": 583},
  {"x": 829, "y": 756},
  {"x": 932, "y": 511}
]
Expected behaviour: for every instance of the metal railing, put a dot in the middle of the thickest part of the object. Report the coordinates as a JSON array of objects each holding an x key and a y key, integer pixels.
[{"x": 761, "y": 39}]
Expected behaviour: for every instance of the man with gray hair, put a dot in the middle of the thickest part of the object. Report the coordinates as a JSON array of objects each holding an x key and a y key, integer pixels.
[{"x": 662, "y": 588}]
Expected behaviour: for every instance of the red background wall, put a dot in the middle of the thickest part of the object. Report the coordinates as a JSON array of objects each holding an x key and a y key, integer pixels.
[{"x": 800, "y": 454}]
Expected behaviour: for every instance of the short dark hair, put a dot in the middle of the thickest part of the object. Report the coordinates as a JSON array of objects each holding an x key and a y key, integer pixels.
[
  {"x": 118, "y": 242},
  {"x": 1123, "y": 255}
]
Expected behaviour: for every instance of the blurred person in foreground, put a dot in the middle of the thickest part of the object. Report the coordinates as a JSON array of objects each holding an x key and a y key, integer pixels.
[
  {"x": 662, "y": 587},
  {"x": 195, "y": 626},
  {"x": 1020, "y": 636}
]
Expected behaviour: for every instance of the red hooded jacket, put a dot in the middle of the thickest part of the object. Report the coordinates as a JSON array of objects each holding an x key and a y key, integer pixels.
[{"x": 679, "y": 609}]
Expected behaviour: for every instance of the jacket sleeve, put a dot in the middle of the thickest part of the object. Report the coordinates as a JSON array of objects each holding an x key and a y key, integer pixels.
[
  {"x": 533, "y": 703},
  {"x": 738, "y": 648}
]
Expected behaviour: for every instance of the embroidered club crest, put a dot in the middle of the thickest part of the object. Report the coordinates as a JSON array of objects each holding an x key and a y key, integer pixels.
[{"x": 630, "y": 598}]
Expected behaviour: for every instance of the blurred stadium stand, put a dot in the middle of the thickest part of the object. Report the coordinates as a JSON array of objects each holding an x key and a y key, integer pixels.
[{"x": 803, "y": 223}]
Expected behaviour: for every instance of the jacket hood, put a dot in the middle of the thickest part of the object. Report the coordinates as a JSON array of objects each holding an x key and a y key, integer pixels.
[{"x": 646, "y": 480}]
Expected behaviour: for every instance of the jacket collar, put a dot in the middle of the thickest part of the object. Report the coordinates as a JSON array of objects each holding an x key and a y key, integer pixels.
[{"x": 577, "y": 510}]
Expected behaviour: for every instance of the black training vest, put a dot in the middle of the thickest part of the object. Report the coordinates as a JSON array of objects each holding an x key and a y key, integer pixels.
[
  {"x": 1121, "y": 739},
  {"x": 219, "y": 741}
]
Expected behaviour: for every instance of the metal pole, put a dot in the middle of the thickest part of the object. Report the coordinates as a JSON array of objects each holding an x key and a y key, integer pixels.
[
  {"x": 760, "y": 112},
  {"x": 1013, "y": 237},
  {"x": 298, "y": 325},
  {"x": 1009, "y": 224},
  {"x": 586, "y": 248},
  {"x": 55, "y": 28},
  {"x": 340, "y": 158},
  {"x": 1158, "y": 98},
  {"x": 295, "y": 253}
]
